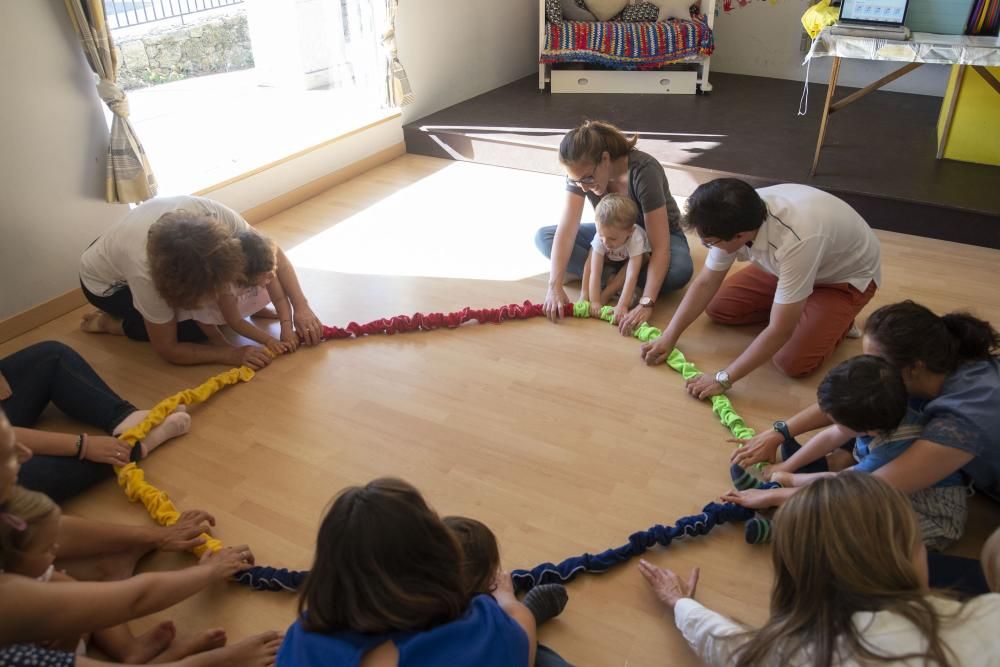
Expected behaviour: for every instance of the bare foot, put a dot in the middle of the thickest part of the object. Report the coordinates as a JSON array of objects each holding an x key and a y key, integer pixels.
[
  {"x": 256, "y": 651},
  {"x": 146, "y": 647},
  {"x": 267, "y": 312},
  {"x": 100, "y": 322},
  {"x": 182, "y": 647}
]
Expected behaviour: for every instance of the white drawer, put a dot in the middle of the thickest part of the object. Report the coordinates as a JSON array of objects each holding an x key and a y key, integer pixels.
[{"x": 602, "y": 81}]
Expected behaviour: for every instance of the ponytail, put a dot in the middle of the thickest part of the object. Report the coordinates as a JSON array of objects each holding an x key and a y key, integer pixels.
[
  {"x": 907, "y": 332},
  {"x": 587, "y": 142},
  {"x": 975, "y": 338}
]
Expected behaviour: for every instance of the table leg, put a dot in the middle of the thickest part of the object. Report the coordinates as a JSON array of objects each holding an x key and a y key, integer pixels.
[
  {"x": 946, "y": 130},
  {"x": 834, "y": 72}
]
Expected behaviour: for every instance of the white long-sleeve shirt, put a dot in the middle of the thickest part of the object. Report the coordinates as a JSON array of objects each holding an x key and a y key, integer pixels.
[{"x": 973, "y": 637}]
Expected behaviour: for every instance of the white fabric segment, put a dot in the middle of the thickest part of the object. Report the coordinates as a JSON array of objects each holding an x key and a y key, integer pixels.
[{"x": 923, "y": 47}]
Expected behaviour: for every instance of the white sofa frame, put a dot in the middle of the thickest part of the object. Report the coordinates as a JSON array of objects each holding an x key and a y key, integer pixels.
[{"x": 703, "y": 62}]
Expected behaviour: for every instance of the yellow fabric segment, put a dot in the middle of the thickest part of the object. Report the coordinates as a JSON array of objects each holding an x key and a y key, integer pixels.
[
  {"x": 818, "y": 17},
  {"x": 133, "y": 480}
]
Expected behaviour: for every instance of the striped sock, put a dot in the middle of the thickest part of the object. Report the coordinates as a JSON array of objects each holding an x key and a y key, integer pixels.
[
  {"x": 743, "y": 480},
  {"x": 758, "y": 531}
]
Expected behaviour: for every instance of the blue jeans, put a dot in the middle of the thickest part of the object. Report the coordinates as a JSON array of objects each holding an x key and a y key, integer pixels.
[
  {"x": 679, "y": 270},
  {"x": 52, "y": 372}
]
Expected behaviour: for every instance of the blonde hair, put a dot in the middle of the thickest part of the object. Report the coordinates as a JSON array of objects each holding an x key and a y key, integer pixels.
[
  {"x": 615, "y": 210},
  {"x": 192, "y": 257},
  {"x": 588, "y": 142},
  {"x": 843, "y": 545},
  {"x": 991, "y": 561},
  {"x": 30, "y": 507}
]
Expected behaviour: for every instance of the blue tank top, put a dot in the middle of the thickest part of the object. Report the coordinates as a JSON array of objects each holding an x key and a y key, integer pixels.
[{"x": 484, "y": 636}]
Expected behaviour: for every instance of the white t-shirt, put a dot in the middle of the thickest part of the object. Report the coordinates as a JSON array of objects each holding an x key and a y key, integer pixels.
[
  {"x": 119, "y": 258},
  {"x": 971, "y": 635},
  {"x": 248, "y": 301},
  {"x": 809, "y": 238},
  {"x": 636, "y": 244}
]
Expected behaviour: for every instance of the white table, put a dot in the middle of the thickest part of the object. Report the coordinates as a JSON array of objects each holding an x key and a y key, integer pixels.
[{"x": 975, "y": 52}]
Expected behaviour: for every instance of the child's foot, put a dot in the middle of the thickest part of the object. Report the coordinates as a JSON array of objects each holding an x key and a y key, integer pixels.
[
  {"x": 758, "y": 531},
  {"x": 256, "y": 651},
  {"x": 100, "y": 322},
  {"x": 148, "y": 646},
  {"x": 743, "y": 479},
  {"x": 267, "y": 312},
  {"x": 546, "y": 601},
  {"x": 182, "y": 647}
]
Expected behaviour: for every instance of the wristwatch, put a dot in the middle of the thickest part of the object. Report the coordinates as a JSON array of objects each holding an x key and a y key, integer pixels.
[
  {"x": 722, "y": 377},
  {"x": 782, "y": 428},
  {"x": 646, "y": 302}
]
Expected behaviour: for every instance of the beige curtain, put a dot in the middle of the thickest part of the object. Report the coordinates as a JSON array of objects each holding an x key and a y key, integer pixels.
[
  {"x": 129, "y": 176},
  {"x": 400, "y": 93}
]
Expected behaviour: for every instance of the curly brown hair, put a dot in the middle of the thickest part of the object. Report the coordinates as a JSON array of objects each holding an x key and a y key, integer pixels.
[
  {"x": 192, "y": 257},
  {"x": 260, "y": 255}
]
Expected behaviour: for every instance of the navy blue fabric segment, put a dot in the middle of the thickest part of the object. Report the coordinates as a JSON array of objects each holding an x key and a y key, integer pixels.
[
  {"x": 262, "y": 578},
  {"x": 712, "y": 515}
]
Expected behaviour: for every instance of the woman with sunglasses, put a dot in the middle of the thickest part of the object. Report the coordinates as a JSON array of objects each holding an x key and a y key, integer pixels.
[{"x": 599, "y": 159}]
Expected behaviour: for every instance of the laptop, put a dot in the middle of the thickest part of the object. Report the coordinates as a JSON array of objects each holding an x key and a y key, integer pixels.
[{"x": 878, "y": 16}]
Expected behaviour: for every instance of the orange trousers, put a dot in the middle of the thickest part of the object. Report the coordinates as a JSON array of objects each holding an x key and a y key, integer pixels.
[{"x": 747, "y": 296}]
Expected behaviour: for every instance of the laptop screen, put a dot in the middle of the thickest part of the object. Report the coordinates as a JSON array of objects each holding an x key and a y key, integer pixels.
[{"x": 889, "y": 12}]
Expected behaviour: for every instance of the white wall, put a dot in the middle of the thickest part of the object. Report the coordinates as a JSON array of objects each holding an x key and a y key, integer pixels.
[
  {"x": 456, "y": 49},
  {"x": 762, "y": 39},
  {"x": 54, "y": 138}
]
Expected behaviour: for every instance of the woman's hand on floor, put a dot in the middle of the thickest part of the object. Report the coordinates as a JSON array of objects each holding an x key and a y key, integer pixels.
[
  {"x": 555, "y": 299},
  {"x": 668, "y": 587},
  {"x": 761, "y": 447},
  {"x": 229, "y": 560},
  {"x": 107, "y": 449},
  {"x": 185, "y": 534}
]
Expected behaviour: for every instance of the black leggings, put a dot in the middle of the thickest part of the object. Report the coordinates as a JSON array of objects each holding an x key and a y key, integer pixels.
[
  {"x": 119, "y": 304},
  {"x": 52, "y": 372}
]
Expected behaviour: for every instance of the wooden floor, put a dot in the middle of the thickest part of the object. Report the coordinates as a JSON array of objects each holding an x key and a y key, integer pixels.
[{"x": 556, "y": 436}]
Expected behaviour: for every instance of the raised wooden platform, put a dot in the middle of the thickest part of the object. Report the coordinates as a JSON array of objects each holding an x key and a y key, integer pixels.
[{"x": 879, "y": 154}]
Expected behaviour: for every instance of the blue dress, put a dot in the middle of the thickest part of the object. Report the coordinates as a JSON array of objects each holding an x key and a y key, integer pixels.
[{"x": 484, "y": 636}]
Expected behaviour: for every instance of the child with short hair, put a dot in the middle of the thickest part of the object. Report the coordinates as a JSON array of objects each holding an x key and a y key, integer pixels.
[
  {"x": 622, "y": 248},
  {"x": 29, "y": 549},
  {"x": 249, "y": 297},
  {"x": 387, "y": 585},
  {"x": 867, "y": 401},
  {"x": 481, "y": 563}
]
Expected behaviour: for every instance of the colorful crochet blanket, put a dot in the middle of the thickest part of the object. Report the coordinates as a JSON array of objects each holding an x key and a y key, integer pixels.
[{"x": 623, "y": 45}]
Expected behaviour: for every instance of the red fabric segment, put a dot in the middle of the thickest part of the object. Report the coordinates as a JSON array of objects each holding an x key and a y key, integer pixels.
[{"x": 431, "y": 321}]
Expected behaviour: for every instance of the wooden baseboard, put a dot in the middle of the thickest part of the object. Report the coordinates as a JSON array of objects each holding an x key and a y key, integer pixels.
[
  {"x": 323, "y": 183},
  {"x": 15, "y": 325}
]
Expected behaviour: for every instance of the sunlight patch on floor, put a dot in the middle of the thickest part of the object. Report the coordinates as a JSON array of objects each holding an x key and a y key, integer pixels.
[{"x": 466, "y": 221}]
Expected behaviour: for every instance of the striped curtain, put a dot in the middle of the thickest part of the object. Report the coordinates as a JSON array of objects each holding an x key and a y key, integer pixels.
[
  {"x": 129, "y": 177},
  {"x": 399, "y": 91}
]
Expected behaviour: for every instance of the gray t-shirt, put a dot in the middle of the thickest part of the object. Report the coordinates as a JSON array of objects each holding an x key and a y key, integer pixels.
[
  {"x": 966, "y": 416},
  {"x": 647, "y": 186}
]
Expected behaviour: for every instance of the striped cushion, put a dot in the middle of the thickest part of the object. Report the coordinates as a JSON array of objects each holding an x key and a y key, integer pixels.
[{"x": 627, "y": 45}]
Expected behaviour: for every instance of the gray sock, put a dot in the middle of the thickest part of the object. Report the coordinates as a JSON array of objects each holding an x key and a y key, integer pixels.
[{"x": 546, "y": 601}]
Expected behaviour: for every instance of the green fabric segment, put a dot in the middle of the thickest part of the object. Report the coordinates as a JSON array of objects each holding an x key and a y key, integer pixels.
[{"x": 721, "y": 406}]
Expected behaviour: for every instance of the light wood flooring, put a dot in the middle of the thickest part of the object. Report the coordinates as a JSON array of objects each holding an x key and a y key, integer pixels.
[{"x": 556, "y": 436}]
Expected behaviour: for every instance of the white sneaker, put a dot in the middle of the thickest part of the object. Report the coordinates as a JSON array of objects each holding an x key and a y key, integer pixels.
[{"x": 854, "y": 332}]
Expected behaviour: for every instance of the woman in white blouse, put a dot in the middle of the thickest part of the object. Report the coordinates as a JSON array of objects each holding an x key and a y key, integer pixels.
[{"x": 850, "y": 588}]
